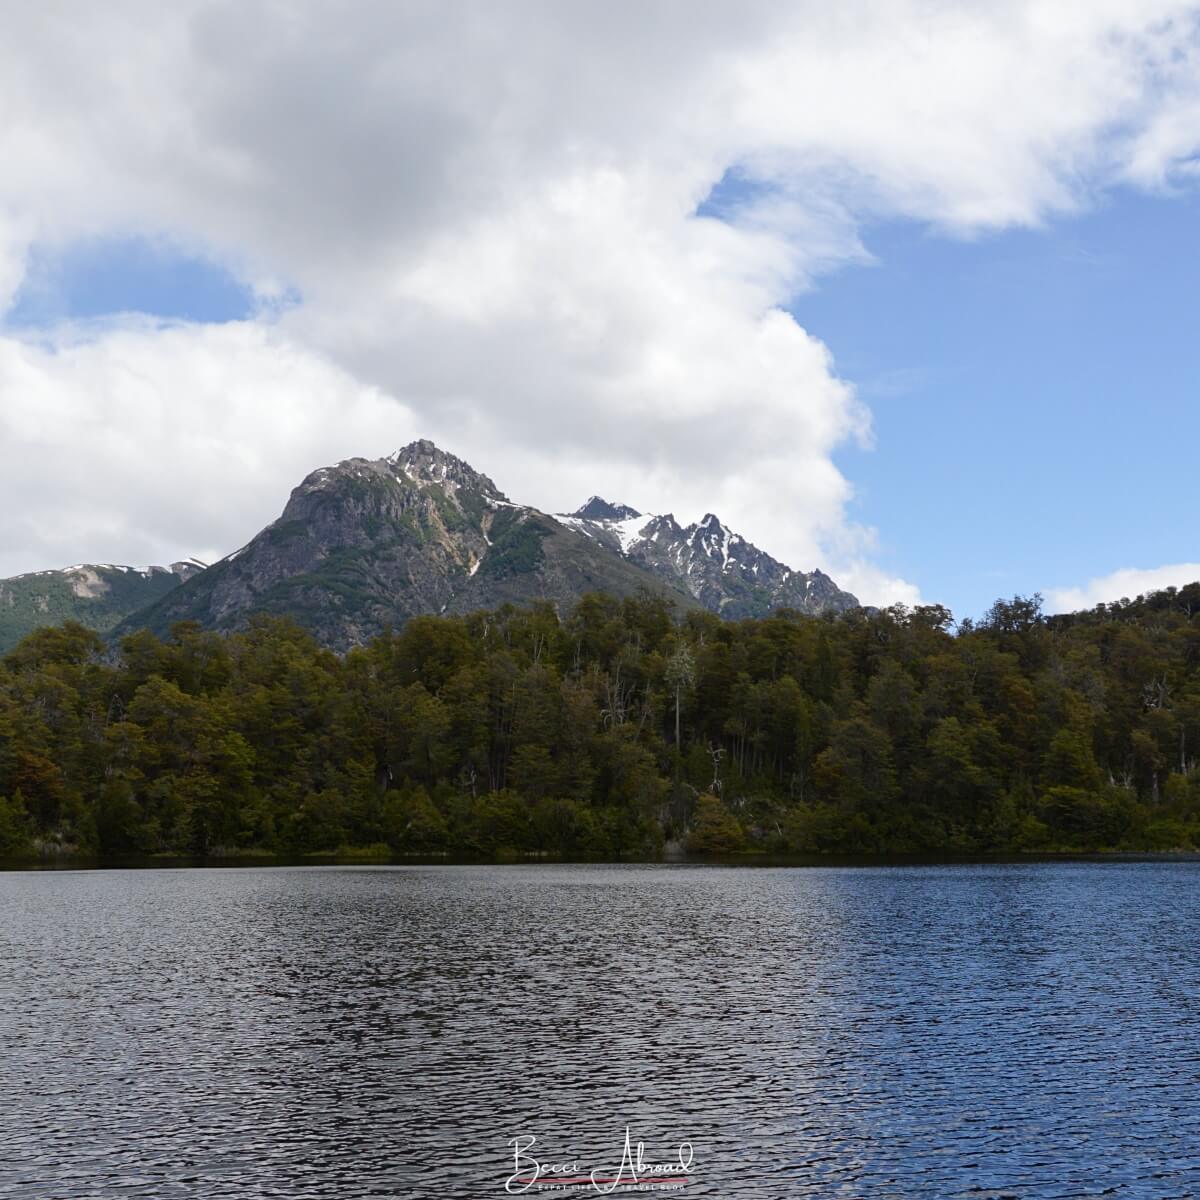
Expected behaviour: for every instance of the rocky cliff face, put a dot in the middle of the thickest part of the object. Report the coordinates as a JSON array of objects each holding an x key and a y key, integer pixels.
[
  {"x": 98, "y": 595},
  {"x": 366, "y": 544},
  {"x": 715, "y": 566}
]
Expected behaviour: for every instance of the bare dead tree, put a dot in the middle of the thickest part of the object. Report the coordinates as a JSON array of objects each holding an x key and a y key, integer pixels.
[
  {"x": 716, "y": 753},
  {"x": 681, "y": 674},
  {"x": 617, "y": 699},
  {"x": 1156, "y": 693}
]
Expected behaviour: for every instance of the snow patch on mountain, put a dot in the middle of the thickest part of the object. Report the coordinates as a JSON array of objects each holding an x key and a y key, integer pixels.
[{"x": 718, "y": 567}]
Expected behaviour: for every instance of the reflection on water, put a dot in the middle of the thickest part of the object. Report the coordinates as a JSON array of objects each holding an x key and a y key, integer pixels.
[{"x": 972, "y": 1031}]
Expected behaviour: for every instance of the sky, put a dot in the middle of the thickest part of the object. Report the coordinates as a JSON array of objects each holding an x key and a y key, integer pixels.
[
  {"x": 898, "y": 288},
  {"x": 1034, "y": 400}
]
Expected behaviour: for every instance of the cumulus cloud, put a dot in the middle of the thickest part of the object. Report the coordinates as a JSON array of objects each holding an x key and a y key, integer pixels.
[
  {"x": 489, "y": 213},
  {"x": 1125, "y": 584},
  {"x": 146, "y": 443}
]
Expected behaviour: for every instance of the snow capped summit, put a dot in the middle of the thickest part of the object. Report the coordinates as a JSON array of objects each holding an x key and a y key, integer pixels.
[
  {"x": 617, "y": 526},
  {"x": 599, "y": 509},
  {"x": 713, "y": 538},
  {"x": 717, "y": 567}
]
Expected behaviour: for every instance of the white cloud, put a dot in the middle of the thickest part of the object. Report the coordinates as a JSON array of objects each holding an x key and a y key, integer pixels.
[
  {"x": 1125, "y": 584},
  {"x": 151, "y": 443},
  {"x": 488, "y": 211},
  {"x": 873, "y": 585}
]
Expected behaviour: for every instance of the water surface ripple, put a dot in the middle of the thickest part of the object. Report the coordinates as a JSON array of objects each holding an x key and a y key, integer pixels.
[{"x": 967, "y": 1031}]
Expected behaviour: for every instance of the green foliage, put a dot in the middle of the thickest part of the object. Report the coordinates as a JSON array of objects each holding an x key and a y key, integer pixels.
[
  {"x": 49, "y": 598},
  {"x": 15, "y": 827},
  {"x": 412, "y": 821},
  {"x": 521, "y": 731},
  {"x": 714, "y": 828},
  {"x": 822, "y": 829},
  {"x": 516, "y": 547}
]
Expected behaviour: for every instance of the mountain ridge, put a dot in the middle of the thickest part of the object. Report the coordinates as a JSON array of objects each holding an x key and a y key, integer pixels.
[
  {"x": 365, "y": 544},
  {"x": 97, "y": 595},
  {"x": 688, "y": 554}
]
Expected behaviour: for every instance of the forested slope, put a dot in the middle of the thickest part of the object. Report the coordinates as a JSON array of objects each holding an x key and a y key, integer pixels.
[{"x": 864, "y": 733}]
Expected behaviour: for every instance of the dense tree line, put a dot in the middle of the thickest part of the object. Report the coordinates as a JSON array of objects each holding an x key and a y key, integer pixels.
[{"x": 613, "y": 730}]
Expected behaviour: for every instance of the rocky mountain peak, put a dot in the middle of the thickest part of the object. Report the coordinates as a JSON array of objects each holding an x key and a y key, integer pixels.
[
  {"x": 714, "y": 538},
  {"x": 711, "y": 526},
  {"x": 599, "y": 509},
  {"x": 714, "y": 565},
  {"x": 664, "y": 525},
  {"x": 423, "y": 462}
]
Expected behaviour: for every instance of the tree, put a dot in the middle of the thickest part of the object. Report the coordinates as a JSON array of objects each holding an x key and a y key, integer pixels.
[
  {"x": 680, "y": 676},
  {"x": 15, "y": 827},
  {"x": 856, "y": 770},
  {"x": 714, "y": 828}
]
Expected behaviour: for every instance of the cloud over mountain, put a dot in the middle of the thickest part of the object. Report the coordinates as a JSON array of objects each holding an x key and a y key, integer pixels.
[{"x": 489, "y": 218}]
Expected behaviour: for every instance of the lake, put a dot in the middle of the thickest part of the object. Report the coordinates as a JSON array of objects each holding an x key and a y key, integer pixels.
[{"x": 979, "y": 1031}]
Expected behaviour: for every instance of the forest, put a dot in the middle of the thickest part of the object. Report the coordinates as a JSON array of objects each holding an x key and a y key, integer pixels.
[{"x": 616, "y": 730}]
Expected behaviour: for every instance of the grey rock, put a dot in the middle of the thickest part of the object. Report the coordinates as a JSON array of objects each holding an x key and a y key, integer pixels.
[
  {"x": 715, "y": 566},
  {"x": 364, "y": 545}
]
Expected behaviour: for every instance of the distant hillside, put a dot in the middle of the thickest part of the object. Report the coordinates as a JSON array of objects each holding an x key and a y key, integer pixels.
[{"x": 97, "y": 595}]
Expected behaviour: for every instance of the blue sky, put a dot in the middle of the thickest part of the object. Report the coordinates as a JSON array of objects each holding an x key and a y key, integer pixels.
[
  {"x": 104, "y": 276},
  {"x": 1034, "y": 396}
]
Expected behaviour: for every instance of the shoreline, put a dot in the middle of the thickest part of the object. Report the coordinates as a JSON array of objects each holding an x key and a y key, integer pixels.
[{"x": 750, "y": 859}]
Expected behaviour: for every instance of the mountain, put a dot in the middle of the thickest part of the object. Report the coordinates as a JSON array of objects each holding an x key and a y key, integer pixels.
[
  {"x": 366, "y": 544},
  {"x": 98, "y": 595},
  {"x": 715, "y": 566}
]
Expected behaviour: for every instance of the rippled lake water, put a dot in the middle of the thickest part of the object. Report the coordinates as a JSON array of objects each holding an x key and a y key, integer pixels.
[{"x": 975, "y": 1031}]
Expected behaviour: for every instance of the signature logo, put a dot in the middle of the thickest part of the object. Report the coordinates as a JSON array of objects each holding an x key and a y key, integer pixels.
[{"x": 632, "y": 1173}]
